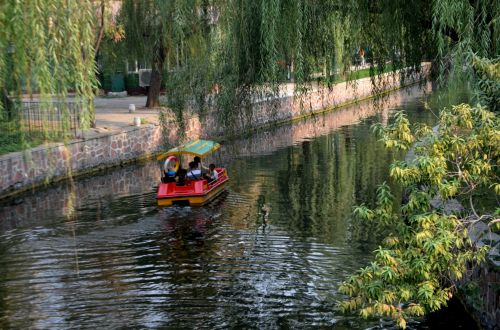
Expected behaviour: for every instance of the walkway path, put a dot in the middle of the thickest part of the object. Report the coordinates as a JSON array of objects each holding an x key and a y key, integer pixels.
[{"x": 113, "y": 112}]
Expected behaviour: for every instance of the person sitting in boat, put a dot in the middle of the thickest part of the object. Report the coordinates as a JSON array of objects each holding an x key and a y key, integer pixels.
[
  {"x": 181, "y": 177},
  {"x": 168, "y": 169},
  {"x": 199, "y": 165},
  {"x": 194, "y": 173},
  {"x": 212, "y": 174},
  {"x": 169, "y": 175}
]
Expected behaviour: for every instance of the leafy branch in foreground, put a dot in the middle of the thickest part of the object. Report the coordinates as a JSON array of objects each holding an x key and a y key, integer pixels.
[{"x": 428, "y": 249}]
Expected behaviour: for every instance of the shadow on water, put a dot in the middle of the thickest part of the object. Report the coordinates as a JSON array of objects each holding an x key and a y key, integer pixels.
[{"x": 269, "y": 253}]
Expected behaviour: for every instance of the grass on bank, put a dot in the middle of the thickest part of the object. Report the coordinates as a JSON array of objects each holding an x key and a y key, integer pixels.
[
  {"x": 13, "y": 139},
  {"x": 354, "y": 75}
]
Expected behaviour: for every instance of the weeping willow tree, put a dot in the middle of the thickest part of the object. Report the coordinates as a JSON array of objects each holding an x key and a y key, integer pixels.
[
  {"x": 462, "y": 30},
  {"x": 253, "y": 47},
  {"x": 46, "y": 48},
  {"x": 262, "y": 40},
  {"x": 467, "y": 37},
  {"x": 165, "y": 35},
  {"x": 230, "y": 52}
]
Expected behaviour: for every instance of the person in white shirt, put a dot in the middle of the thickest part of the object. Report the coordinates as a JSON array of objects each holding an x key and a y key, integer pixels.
[
  {"x": 199, "y": 165},
  {"x": 194, "y": 173},
  {"x": 212, "y": 174}
]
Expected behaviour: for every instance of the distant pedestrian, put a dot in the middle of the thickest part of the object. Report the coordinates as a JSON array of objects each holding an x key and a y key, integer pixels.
[{"x": 362, "y": 56}]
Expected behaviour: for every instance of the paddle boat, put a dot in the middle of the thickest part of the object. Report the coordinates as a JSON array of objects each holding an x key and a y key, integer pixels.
[{"x": 176, "y": 189}]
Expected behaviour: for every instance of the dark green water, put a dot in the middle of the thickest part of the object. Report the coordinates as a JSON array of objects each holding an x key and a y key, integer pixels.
[{"x": 270, "y": 253}]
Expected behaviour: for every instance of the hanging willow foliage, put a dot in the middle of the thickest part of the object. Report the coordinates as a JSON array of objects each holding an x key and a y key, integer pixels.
[
  {"x": 261, "y": 40},
  {"x": 46, "y": 49},
  {"x": 232, "y": 52},
  {"x": 464, "y": 29}
]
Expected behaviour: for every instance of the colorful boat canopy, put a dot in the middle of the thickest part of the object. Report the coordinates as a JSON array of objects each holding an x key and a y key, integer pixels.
[{"x": 197, "y": 148}]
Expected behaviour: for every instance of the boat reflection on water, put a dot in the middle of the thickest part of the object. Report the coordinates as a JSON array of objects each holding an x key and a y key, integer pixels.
[{"x": 184, "y": 226}]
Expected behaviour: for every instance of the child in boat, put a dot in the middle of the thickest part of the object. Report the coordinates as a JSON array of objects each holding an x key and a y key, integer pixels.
[
  {"x": 169, "y": 175},
  {"x": 212, "y": 174},
  {"x": 194, "y": 173},
  {"x": 169, "y": 170}
]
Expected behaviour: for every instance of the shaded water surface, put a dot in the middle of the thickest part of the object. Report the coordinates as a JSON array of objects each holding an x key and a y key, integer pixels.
[{"x": 269, "y": 253}]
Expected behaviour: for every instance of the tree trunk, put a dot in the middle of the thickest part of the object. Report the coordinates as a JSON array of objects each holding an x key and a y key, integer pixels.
[
  {"x": 97, "y": 42},
  {"x": 153, "y": 100},
  {"x": 8, "y": 105}
]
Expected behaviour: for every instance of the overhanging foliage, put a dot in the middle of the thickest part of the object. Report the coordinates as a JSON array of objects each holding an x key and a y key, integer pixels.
[
  {"x": 428, "y": 249},
  {"x": 46, "y": 48}
]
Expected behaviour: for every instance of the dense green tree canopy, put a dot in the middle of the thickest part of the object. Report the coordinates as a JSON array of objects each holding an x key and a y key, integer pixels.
[
  {"x": 239, "y": 48},
  {"x": 166, "y": 35}
]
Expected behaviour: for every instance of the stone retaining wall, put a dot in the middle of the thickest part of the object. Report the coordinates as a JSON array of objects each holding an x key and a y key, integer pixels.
[
  {"x": 23, "y": 170},
  {"x": 44, "y": 164},
  {"x": 287, "y": 107}
]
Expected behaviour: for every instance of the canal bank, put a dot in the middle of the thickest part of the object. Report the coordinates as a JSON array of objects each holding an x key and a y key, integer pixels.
[{"x": 116, "y": 141}]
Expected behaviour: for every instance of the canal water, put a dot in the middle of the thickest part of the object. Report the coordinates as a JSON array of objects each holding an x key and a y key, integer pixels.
[{"x": 268, "y": 254}]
